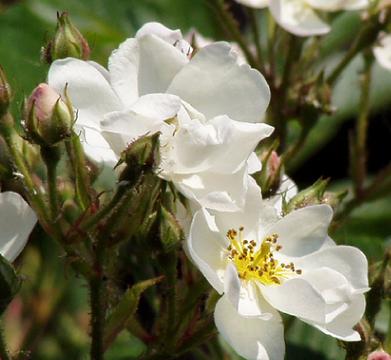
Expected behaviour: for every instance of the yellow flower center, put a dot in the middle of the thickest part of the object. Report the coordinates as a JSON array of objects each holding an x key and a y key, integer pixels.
[{"x": 258, "y": 263}]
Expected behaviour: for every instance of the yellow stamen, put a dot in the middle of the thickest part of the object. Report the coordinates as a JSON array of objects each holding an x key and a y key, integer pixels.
[{"x": 258, "y": 264}]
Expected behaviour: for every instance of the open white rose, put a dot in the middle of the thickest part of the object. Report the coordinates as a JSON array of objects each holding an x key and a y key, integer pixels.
[
  {"x": 207, "y": 107},
  {"x": 300, "y": 17},
  {"x": 17, "y": 220},
  {"x": 262, "y": 263},
  {"x": 382, "y": 51}
]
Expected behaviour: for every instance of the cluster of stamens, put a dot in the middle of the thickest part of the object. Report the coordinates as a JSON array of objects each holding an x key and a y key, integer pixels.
[{"x": 258, "y": 263}]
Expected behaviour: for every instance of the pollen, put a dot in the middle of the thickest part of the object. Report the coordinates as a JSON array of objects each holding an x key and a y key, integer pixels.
[{"x": 257, "y": 262}]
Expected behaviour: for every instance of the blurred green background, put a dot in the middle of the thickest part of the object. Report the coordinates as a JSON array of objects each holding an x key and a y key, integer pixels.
[{"x": 50, "y": 316}]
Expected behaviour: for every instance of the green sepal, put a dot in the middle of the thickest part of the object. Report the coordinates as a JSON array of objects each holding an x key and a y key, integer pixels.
[
  {"x": 10, "y": 283},
  {"x": 125, "y": 310}
]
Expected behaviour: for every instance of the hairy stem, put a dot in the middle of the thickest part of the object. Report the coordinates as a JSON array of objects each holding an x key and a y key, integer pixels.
[
  {"x": 78, "y": 162},
  {"x": 97, "y": 316}
]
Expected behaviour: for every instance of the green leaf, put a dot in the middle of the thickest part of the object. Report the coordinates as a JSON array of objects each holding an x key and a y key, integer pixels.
[
  {"x": 125, "y": 310},
  {"x": 9, "y": 283}
]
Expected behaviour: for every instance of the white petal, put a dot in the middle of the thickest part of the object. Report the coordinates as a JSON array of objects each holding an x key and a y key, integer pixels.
[
  {"x": 222, "y": 192},
  {"x": 159, "y": 63},
  {"x": 259, "y": 4},
  {"x": 96, "y": 147},
  {"x": 296, "y": 297},
  {"x": 157, "y": 106},
  {"x": 123, "y": 67},
  {"x": 239, "y": 139},
  {"x": 382, "y": 52},
  {"x": 215, "y": 84},
  {"x": 88, "y": 90},
  {"x": 252, "y": 338},
  {"x": 329, "y": 5},
  {"x": 17, "y": 220},
  {"x": 206, "y": 248},
  {"x": 253, "y": 163},
  {"x": 356, "y": 4},
  {"x": 253, "y": 215},
  {"x": 245, "y": 297},
  {"x": 342, "y": 326},
  {"x": 303, "y": 231},
  {"x": 120, "y": 128},
  {"x": 172, "y": 37},
  {"x": 347, "y": 260},
  {"x": 222, "y": 145},
  {"x": 296, "y": 17}
]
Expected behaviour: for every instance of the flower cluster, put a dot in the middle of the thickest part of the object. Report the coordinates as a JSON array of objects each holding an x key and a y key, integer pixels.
[{"x": 208, "y": 109}]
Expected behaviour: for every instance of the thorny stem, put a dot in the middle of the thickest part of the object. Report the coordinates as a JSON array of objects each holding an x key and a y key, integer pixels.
[
  {"x": 229, "y": 23},
  {"x": 360, "y": 155}
]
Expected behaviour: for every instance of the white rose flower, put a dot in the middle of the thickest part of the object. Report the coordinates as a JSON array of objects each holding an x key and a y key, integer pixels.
[
  {"x": 17, "y": 220},
  {"x": 382, "y": 51},
  {"x": 300, "y": 17},
  {"x": 207, "y": 107},
  {"x": 262, "y": 263}
]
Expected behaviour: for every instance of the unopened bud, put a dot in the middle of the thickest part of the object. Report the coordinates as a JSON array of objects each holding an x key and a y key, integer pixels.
[
  {"x": 269, "y": 178},
  {"x": 48, "y": 118},
  {"x": 67, "y": 42},
  {"x": 169, "y": 230},
  {"x": 143, "y": 152},
  {"x": 310, "y": 196},
  {"x": 379, "y": 355},
  {"x": 5, "y": 93},
  {"x": 334, "y": 199}
]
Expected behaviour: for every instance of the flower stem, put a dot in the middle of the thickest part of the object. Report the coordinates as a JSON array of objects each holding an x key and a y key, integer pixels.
[
  {"x": 8, "y": 131},
  {"x": 257, "y": 39},
  {"x": 360, "y": 154},
  {"x": 51, "y": 156},
  {"x": 387, "y": 341},
  {"x": 366, "y": 37},
  {"x": 4, "y": 354},
  {"x": 78, "y": 162},
  {"x": 97, "y": 316}
]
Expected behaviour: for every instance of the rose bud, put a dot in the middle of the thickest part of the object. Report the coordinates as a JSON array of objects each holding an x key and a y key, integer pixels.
[
  {"x": 379, "y": 355},
  {"x": 48, "y": 118},
  {"x": 5, "y": 93}
]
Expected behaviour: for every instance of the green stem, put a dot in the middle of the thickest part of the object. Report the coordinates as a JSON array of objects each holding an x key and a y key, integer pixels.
[
  {"x": 8, "y": 131},
  {"x": 231, "y": 26},
  {"x": 78, "y": 162},
  {"x": 372, "y": 192},
  {"x": 97, "y": 317},
  {"x": 387, "y": 341},
  {"x": 366, "y": 37},
  {"x": 4, "y": 354},
  {"x": 51, "y": 156},
  {"x": 360, "y": 156},
  {"x": 257, "y": 39}
]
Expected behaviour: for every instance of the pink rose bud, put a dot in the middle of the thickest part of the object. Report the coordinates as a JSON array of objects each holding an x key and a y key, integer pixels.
[
  {"x": 379, "y": 355},
  {"x": 48, "y": 118}
]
